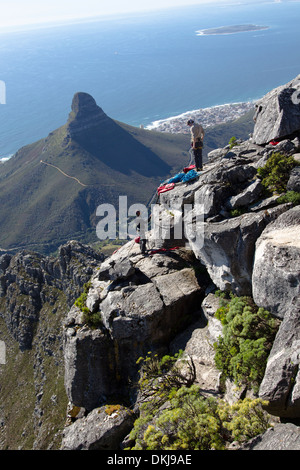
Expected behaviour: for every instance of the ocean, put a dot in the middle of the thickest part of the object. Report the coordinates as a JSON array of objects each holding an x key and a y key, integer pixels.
[{"x": 144, "y": 67}]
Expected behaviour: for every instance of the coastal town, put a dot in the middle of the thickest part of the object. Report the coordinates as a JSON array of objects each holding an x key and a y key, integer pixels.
[{"x": 208, "y": 117}]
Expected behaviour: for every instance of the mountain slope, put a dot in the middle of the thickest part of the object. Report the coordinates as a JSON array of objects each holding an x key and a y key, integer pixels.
[
  {"x": 41, "y": 206},
  {"x": 49, "y": 190}
]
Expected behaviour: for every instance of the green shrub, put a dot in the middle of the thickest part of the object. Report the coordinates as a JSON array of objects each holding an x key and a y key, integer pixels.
[
  {"x": 275, "y": 174},
  {"x": 160, "y": 376},
  {"x": 94, "y": 320},
  {"x": 193, "y": 422},
  {"x": 173, "y": 413},
  {"x": 175, "y": 416},
  {"x": 237, "y": 212},
  {"x": 232, "y": 142},
  {"x": 290, "y": 196},
  {"x": 81, "y": 301},
  {"x": 244, "y": 419},
  {"x": 248, "y": 335}
]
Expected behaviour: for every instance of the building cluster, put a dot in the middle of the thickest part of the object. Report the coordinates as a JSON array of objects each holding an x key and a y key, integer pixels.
[{"x": 207, "y": 117}]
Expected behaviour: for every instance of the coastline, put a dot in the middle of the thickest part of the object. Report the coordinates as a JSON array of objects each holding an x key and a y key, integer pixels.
[
  {"x": 5, "y": 158},
  {"x": 208, "y": 117}
]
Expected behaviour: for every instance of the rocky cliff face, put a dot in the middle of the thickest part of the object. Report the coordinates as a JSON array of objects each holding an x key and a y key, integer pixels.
[
  {"x": 35, "y": 293},
  {"x": 144, "y": 303},
  {"x": 35, "y": 278},
  {"x": 246, "y": 243},
  {"x": 157, "y": 302}
]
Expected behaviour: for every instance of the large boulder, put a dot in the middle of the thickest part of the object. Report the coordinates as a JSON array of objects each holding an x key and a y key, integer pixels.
[
  {"x": 250, "y": 194},
  {"x": 276, "y": 287},
  {"x": 90, "y": 373},
  {"x": 294, "y": 180},
  {"x": 280, "y": 437},
  {"x": 142, "y": 311},
  {"x": 276, "y": 270},
  {"x": 102, "y": 429},
  {"x": 197, "y": 342},
  {"x": 278, "y": 113},
  {"x": 281, "y": 382},
  {"x": 227, "y": 248}
]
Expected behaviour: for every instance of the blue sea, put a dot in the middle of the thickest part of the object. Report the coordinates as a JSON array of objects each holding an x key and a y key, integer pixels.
[{"x": 143, "y": 67}]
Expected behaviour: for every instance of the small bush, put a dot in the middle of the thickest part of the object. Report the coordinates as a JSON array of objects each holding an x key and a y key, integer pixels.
[
  {"x": 237, "y": 212},
  {"x": 232, "y": 142},
  {"x": 160, "y": 376},
  {"x": 276, "y": 172},
  {"x": 94, "y": 320},
  {"x": 248, "y": 335},
  {"x": 110, "y": 409},
  {"x": 175, "y": 415},
  {"x": 290, "y": 196},
  {"x": 81, "y": 301},
  {"x": 193, "y": 422}
]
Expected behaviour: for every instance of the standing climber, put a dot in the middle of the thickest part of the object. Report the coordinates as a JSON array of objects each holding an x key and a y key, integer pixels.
[{"x": 197, "y": 136}]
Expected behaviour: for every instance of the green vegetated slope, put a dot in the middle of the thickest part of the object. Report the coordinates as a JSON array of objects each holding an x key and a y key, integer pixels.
[
  {"x": 41, "y": 208},
  {"x": 33, "y": 398}
]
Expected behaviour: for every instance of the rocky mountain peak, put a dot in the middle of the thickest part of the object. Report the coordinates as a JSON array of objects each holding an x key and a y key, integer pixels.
[
  {"x": 85, "y": 114},
  {"x": 84, "y": 104}
]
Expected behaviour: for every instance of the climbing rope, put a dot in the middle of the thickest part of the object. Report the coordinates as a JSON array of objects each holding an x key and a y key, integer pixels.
[{"x": 65, "y": 174}]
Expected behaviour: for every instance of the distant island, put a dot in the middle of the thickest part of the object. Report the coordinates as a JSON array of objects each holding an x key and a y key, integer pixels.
[{"x": 231, "y": 29}]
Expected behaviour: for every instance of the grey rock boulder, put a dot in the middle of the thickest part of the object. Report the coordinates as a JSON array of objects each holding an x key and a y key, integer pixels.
[
  {"x": 90, "y": 374},
  {"x": 278, "y": 113},
  {"x": 276, "y": 287},
  {"x": 102, "y": 429},
  {"x": 212, "y": 197},
  {"x": 280, "y": 437},
  {"x": 120, "y": 269},
  {"x": 250, "y": 194},
  {"x": 281, "y": 382},
  {"x": 294, "y": 180},
  {"x": 140, "y": 313},
  {"x": 210, "y": 305},
  {"x": 227, "y": 248},
  {"x": 276, "y": 269},
  {"x": 197, "y": 345}
]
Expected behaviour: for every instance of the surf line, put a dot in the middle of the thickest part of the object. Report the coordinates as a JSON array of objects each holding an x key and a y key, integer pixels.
[{"x": 65, "y": 174}]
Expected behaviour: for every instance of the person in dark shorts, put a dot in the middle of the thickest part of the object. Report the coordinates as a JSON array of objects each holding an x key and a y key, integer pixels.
[{"x": 197, "y": 136}]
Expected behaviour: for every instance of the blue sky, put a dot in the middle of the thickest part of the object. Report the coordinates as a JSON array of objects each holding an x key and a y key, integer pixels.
[{"x": 19, "y": 12}]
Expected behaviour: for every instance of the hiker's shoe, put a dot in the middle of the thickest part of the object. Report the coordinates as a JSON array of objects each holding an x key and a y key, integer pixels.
[{"x": 198, "y": 169}]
